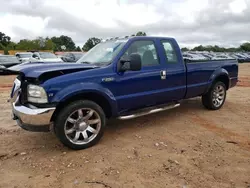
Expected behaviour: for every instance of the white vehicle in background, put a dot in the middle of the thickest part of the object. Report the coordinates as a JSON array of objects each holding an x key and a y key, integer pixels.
[
  {"x": 23, "y": 56},
  {"x": 44, "y": 57}
]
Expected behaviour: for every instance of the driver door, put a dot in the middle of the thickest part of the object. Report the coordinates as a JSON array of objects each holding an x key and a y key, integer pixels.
[{"x": 138, "y": 89}]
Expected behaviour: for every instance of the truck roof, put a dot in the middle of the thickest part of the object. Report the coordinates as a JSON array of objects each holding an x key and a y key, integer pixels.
[{"x": 138, "y": 37}]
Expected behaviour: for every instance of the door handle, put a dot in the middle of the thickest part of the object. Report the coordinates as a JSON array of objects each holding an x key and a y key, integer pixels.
[{"x": 163, "y": 74}]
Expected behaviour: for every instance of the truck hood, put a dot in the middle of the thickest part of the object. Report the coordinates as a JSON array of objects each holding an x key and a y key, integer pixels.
[
  {"x": 53, "y": 60},
  {"x": 48, "y": 70}
]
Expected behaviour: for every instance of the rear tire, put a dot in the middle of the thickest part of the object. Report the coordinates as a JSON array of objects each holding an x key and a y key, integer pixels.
[
  {"x": 80, "y": 125},
  {"x": 215, "y": 98}
]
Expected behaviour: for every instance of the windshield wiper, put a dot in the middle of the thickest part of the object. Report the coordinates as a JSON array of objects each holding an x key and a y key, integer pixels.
[
  {"x": 100, "y": 64},
  {"x": 93, "y": 64},
  {"x": 86, "y": 62}
]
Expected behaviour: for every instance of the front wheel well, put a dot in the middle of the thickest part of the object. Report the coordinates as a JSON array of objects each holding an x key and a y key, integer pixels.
[{"x": 97, "y": 98}]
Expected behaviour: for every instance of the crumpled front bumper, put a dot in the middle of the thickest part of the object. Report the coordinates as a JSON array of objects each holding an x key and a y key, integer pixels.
[{"x": 31, "y": 118}]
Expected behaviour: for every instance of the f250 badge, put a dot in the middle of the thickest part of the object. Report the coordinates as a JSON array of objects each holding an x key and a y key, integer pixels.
[{"x": 110, "y": 79}]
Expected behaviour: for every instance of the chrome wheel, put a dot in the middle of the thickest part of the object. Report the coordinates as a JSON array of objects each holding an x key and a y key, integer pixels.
[
  {"x": 82, "y": 126},
  {"x": 218, "y": 95}
]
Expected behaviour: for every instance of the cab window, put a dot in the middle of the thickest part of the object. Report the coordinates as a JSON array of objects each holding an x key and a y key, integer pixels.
[
  {"x": 146, "y": 49},
  {"x": 169, "y": 52}
]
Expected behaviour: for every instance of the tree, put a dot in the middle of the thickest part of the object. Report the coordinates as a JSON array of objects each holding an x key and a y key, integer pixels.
[
  {"x": 1, "y": 47},
  {"x": 140, "y": 33},
  {"x": 26, "y": 44},
  {"x": 233, "y": 49},
  {"x": 63, "y": 41},
  {"x": 91, "y": 42},
  {"x": 41, "y": 42},
  {"x": 184, "y": 49},
  {"x": 199, "y": 48},
  {"x": 11, "y": 46},
  {"x": 38, "y": 44},
  {"x": 78, "y": 49},
  {"x": 49, "y": 45},
  {"x": 45, "y": 43},
  {"x": 4, "y": 39},
  {"x": 245, "y": 46}
]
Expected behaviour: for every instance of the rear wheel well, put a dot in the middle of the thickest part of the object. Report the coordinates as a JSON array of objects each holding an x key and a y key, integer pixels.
[
  {"x": 97, "y": 98},
  {"x": 224, "y": 79}
]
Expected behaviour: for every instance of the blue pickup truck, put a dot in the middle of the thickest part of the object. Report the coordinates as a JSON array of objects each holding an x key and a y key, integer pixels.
[{"x": 120, "y": 78}]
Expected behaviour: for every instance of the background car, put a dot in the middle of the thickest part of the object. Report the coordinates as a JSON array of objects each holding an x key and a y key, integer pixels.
[
  {"x": 239, "y": 57},
  {"x": 23, "y": 56},
  {"x": 44, "y": 57},
  {"x": 72, "y": 56},
  {"x": 193, "y": 57},
  {"x": 208, "y": 55},
  {"x": 8, "y": 60},
  {"x": 221, "y": 57}
]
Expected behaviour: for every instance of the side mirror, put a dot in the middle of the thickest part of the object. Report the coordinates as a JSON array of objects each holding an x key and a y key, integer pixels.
[
  {"x": 37, "y": 57},
  {"x": 133, "y": 63}
]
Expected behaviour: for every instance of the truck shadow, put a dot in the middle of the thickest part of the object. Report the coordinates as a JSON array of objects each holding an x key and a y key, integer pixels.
[{"x": 186, "y": 107}]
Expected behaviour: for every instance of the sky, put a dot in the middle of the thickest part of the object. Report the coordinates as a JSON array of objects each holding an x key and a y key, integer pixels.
[{"x": 190, "y": 22}]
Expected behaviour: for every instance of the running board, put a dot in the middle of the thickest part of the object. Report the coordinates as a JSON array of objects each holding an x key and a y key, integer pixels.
[{"x": 148, "y": 112}]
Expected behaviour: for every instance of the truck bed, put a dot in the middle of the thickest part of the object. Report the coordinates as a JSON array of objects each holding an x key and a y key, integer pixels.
[{"x": 200, "y": 73}]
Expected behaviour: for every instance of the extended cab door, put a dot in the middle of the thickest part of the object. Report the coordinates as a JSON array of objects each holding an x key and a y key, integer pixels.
[
  {"x": 175, "y": 81},
  {"x": 147, "y": 87}
]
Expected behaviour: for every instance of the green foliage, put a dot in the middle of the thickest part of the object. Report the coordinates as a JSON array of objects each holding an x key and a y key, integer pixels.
[
  {"x": 78, "y": 49},
  {"x": 49, "y": 45},
  {"x": 38, "y": 44},
  {"x": 91, "y": 42},
  {"x": 26, "y": 44},
  {"x": 245, "y": 46},
  {"x": 63, "y": 41},
  {"x": 184, "y": 49},
  {"x": 6, "y": 51},
  {"x": 1, "y": 46},
  {"x": 11, "y": 46},
  {"x": 4, "y": 39},
  {"x": 215, "y": 49},
  {"x": 140, "y": 33}
]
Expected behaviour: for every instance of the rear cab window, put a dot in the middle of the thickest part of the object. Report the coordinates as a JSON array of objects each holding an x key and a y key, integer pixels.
[{"x": 170, "y": 52}]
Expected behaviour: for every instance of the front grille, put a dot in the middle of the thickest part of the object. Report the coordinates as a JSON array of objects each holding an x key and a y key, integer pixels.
[{"x": 23, "y": 94}]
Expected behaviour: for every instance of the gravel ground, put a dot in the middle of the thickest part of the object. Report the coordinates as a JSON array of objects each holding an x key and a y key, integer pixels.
[{"x": 185, "y": 147}]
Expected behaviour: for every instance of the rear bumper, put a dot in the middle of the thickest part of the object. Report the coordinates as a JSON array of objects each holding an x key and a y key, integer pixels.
[{"x": 32, "y": 118}]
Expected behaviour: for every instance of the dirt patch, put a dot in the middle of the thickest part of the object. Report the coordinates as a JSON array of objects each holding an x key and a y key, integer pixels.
[
  {"x": 229, "y": 136},
  {"x": 244, "y": 81},
  {"x": 185, "y": 147}
]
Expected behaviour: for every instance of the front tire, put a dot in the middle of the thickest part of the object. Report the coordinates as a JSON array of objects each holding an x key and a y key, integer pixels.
[
  {"x": 215, "y": 97},
  {"x": 80, "y": 125}
]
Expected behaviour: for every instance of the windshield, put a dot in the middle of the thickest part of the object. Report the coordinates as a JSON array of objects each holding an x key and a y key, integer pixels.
[
  {"x": 47, "y": 55},
  {"x": 11, "y": 59},
  {"x": 78, "y": 55},
  {"x": 103, "y": 53},
  {"x": 24, "y": 55}
]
